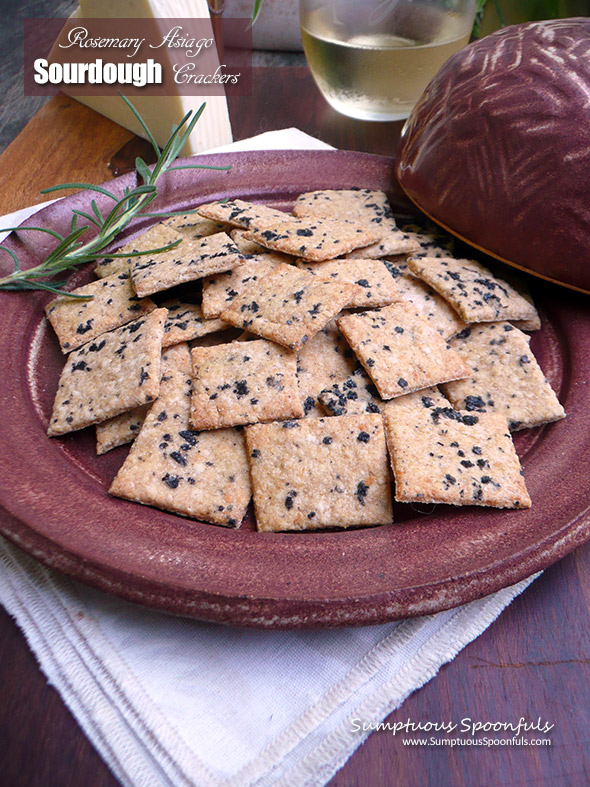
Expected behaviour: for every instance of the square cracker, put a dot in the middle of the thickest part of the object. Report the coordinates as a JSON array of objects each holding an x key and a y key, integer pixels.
[
  {"x": 528, "y": 325},
  {"x": 472, "y": 290},
  {"x": 504, "y": 377},
  {"x": 351, "y": 395},
  {"x": 120, "y": 430},
  {"x": 432, "y": 306},
  {"x": 110, "y": 375},
  {"x": 185, "y": 321},
  {"x": 399, "y": 350},
  {"x": 226, "y": 336},
  {"x": 247, "y": 247},
  {"x": 220, "y": 290},
  {"x": 367, "y": 204},
  {"x": 313, "y": 239},
  {"x": 113, "y": 303},
  {"x": 367, "y": 208},
  {"x": 375, "y": 285},
  {"x": 441, "y": 455},
  {"x": 202, "y": 475},
  {"x": 533, "y": 324},
  {"x": 288, "y": 305},
  {"x": 190, "y": 260},
  {"x": 310, "y": 238},
  {"x": 243, "y": 383},
  {"x": 319, "y": 472},
  {"x": 241, "y": 213},
  {"x": 157, "y": 237},
  {"x": 325, "y": 358}
]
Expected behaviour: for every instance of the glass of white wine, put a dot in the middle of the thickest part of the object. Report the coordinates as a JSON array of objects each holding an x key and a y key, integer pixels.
[{"x": 372, "y": 59}]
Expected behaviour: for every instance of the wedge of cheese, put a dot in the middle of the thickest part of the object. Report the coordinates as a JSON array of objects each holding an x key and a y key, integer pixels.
[{"x": 160, "y": 112}]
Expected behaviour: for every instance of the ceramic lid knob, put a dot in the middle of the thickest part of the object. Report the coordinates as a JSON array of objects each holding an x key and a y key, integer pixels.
[{"x": 498, "y": 148}]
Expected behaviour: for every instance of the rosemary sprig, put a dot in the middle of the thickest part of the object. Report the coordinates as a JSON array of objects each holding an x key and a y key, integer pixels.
[{"x": 70, "y": 250}]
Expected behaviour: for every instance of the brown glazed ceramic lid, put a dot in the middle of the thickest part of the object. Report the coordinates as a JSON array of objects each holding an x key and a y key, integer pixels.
[{"x": 497, "y": 150}]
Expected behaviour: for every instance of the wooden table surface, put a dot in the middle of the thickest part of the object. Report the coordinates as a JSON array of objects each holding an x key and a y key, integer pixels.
[{"x": 533, "y": 662}]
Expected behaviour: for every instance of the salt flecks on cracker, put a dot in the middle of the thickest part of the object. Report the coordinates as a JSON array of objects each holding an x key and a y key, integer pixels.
[
  {"x": 288, "y": 305},
  {"x": 112, "y": 303},
  {"x": 120, "y": 430},
  {"x": 185, "y": 321},
  {"x": 399, "y": 350},
  {"x": 375, "y": 285},
  {"x": 441, "y": 455},
  {"x": 112, "y": 374},
  {"x": 319, "y": 472},
  {"x": 202, "y": 475},
  {"x": 432, "y": 306},
  {"x": 220, "y": 290},
  {"x": 504, "y": 377},
  {"x": 326, "y": 357},
  {"x": 157, "y": 237},
  {"x": 190, "y": 260},
  {"x": 243, "y": 383},
  {"x": 472, "y": 290}
]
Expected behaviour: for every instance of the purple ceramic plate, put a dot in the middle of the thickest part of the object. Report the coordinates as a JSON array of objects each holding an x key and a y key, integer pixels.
[{"x": 56, "y": 506}]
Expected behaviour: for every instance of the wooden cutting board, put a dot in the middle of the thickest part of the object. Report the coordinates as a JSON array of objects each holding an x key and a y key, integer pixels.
[{"x": 64, "y": 142}]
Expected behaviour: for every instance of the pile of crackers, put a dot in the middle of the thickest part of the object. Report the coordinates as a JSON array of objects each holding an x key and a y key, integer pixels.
[{"x": 298, "y": 359}]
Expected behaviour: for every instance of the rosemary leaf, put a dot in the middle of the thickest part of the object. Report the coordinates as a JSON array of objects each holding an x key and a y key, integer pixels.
[{"x": 256, "y": 11}]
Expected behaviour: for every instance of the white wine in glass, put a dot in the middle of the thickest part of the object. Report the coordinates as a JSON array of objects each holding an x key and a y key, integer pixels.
[{"x": 372, "y": 59}]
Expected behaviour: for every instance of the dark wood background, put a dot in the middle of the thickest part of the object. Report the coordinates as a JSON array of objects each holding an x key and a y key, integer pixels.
[{"x": 533, "y": 662}]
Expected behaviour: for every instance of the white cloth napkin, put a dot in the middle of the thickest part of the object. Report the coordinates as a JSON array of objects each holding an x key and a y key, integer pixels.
[{"x": 171, "y": 701}]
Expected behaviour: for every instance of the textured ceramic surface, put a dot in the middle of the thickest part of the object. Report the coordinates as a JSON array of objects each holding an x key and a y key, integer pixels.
[
  {"x": 56, "y": 506},
  {"x": 497, "y": 148}
]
